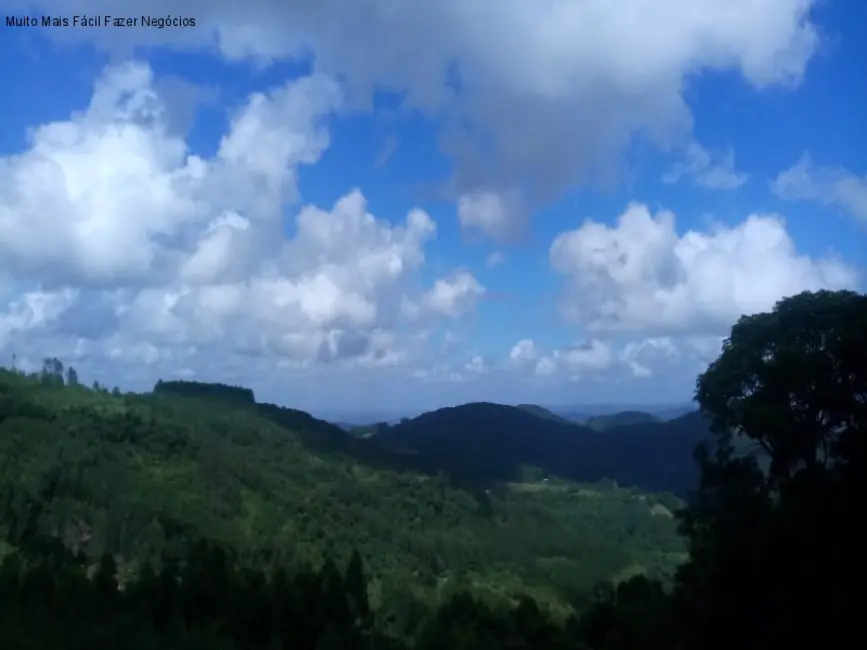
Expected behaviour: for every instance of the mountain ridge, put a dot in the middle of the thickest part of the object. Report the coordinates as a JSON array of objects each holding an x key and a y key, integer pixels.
[
  {"x": 485, "y": 441},
  {"x": 481, "y": 443},
  {"x": 622, "y": 418},
  {"x": 541, "y": 411}
]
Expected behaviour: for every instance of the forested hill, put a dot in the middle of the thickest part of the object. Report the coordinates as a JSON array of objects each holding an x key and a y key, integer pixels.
[
  {"x": 142, "y": 475},
  {"x": 484, "y": 441},
  {"x": 542, "y": 412},
  {"x": 624, "y": 418}
]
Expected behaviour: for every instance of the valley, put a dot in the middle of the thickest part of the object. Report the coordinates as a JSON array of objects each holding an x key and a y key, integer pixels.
[{"x": 142, "y": 475}]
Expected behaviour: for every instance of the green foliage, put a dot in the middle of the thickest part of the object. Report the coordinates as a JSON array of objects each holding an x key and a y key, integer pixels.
[
  {"x": 776, "y": 541},
  {"x": 772, "y": 544},
  {"x": 791, "y": 380},
  {"x": 222, "y": 392},
  {"x": 138, "y": 476},
  {"x": 51, "y": 599}
]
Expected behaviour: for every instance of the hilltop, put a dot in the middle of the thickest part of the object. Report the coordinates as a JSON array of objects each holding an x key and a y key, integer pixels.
[
  {"x": 542, "y": 412},
  {"x": 482, "y": 441},
  {"x": 624, "y": 418},
  {"x": 139, "y": 475}
]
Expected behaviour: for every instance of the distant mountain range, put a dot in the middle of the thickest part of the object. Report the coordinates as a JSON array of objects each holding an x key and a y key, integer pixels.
[
  {"x": 625, "y": 418},
  {"x": 542, "y": 412},
  {"x": 585, "y": 413},
  {"x": 483, "y": 442},
  {"x": 573, "y": 413}
]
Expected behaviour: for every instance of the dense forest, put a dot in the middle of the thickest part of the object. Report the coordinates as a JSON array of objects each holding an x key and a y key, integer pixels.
[
  {"x": 480, "y": 443},
  {"x": 194, "y": 517},
  {"x": 141, "y": 476}
]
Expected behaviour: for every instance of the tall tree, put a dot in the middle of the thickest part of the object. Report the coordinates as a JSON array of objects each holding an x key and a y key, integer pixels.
[
  {"x": 794, "y": 380},
  {"x": 356, "y": 593},
  {"x": 772, "y": 543}
]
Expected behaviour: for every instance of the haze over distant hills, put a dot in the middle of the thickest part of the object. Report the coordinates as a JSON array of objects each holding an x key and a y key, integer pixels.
[
  {"x": 624, "y": 418},
  {"x": 482, "y": 442},
  {"x": 572, "y": 412}
]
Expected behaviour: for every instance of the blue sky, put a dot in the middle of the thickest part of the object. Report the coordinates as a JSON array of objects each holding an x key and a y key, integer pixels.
[{"x": 377, "y": 205}]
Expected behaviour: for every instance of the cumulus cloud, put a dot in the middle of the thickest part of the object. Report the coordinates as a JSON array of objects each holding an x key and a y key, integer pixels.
[
  {"x": 117, "y": 241},
  {"x": 524, "y": 350},
  {"x": 533, "y": 96},
  {"x": 495, "y": 214},
  {"x": 148, "y": 253},
  {"x": 616, "y": 357},
  {"x": 705, "y": 171},
  {"x": 34, "y": 311},
  {"x": 833, "y": 186},
  {"x": 642, "y": 275},
  {"x": 577, "y": 360},
  {"x": 591, "y": 356},
  {"x": 671, "y": 362},
  {"x": 642, "y": 357},
  {"x": 454, "y": 296},
  {"x": 112, "y": 195}
]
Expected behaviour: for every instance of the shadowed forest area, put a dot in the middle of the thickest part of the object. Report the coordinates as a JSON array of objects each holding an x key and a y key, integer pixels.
[{"x": 194, "y": 517}]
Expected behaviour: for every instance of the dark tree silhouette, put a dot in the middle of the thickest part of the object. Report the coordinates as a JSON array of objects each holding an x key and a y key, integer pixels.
[{"x": 774, "y": 534}]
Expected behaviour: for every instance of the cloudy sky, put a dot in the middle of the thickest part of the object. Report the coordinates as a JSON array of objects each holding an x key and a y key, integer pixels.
[{"x": 395, "y": 204}]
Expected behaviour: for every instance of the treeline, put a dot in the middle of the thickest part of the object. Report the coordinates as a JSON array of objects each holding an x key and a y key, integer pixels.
[{"x": 223, "y": 392}]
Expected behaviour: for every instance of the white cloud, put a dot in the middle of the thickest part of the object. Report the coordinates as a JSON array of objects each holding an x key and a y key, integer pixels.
[
  {"x": 524, "y": 350},
  {"x": 117, "y": 242},
  {"x": 591, "y": 357},
  {"x": 527, "y": 366},
  {"x": 614, "y": 358},
  {"x": 700, "y": 167},
  {"x": 495, "y": 214},
  {"x": 642, "y": 275},
  {"x": 333, "y": 292},
  {"x": 33, "y": 311},
  {"x": 476, "y": 365},
  {"x": 453, "y": 296},
  {"x": 643, "y": 356},
  {"x": 111, "y": 195},
  {"x": 833, "y": 186},
  {"x": 534, "y": 96},
  {"x": 545, "y": 367},
  {"x": 667, "y": 358},
  {"x": 151, "y": 255},
  {"x": 495, "y": 259}
]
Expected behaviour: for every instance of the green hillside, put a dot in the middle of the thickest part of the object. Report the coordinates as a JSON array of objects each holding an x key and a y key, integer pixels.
[
  {"x": 139, "y": 476},
  {"x": 541, "y": 412}
]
